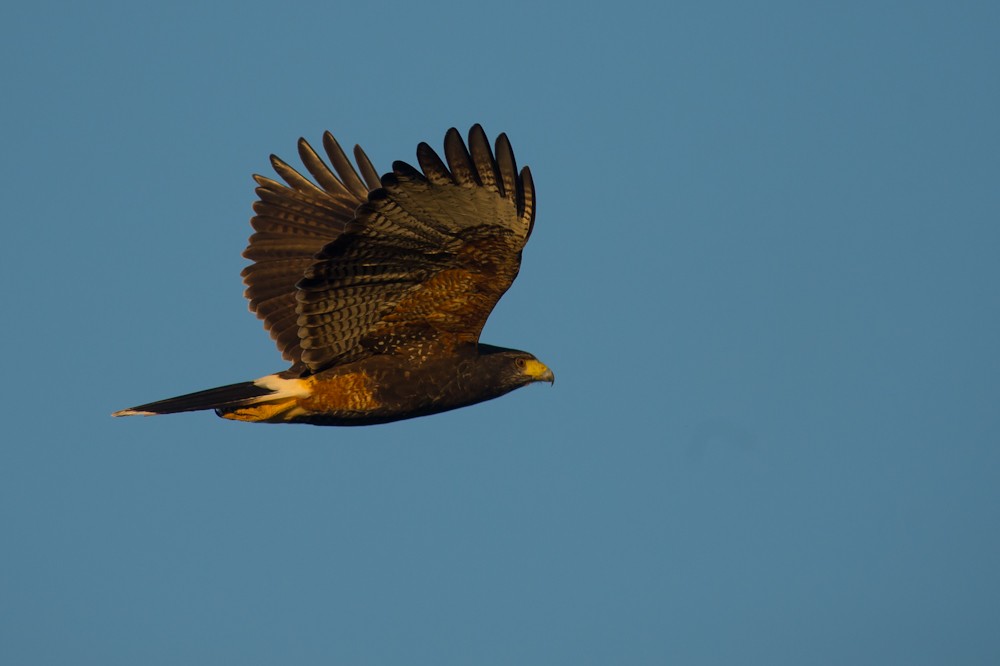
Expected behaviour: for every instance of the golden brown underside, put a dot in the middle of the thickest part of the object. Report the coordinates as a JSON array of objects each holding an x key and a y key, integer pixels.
[{"x": 347, "y": 393}]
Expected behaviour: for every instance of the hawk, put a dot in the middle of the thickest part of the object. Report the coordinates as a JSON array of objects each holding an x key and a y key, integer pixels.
[{"x": 376, "y": 289}]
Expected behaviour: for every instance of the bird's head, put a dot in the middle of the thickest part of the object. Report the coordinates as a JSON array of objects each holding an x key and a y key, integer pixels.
[{"x": 514, "y": 368}]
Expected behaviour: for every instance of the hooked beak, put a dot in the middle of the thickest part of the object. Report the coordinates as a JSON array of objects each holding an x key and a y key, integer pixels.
[{"x": 539, "y": 372}]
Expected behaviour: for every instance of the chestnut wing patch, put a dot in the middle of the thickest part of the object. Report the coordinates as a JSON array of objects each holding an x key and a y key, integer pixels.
[{"x": 425, "y": 260}]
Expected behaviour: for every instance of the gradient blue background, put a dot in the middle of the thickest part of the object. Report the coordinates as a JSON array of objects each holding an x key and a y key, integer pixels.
[{"x": 765, "y": 272}]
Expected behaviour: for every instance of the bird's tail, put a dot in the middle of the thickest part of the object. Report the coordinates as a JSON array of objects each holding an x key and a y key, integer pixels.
[{"x": 271, "y": 390}]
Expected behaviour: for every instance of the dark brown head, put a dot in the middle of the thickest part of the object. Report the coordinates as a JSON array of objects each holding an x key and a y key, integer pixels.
[{"x": 509, "y": 369}]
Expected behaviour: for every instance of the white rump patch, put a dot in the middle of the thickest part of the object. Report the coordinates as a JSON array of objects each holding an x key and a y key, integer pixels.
[{"x": 283, "y": 388}]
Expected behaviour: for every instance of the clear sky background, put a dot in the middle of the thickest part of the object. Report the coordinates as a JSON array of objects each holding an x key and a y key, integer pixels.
[{"x": 766, "y": 272}]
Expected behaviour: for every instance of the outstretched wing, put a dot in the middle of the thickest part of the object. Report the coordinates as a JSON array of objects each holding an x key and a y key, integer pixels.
[
  {"x": 292, "y": 224},
  {"x": 423, "y": 262}
]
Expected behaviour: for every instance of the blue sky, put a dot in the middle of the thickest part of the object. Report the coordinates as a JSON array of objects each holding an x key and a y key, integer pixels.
[{"x": 764, "y": 272}]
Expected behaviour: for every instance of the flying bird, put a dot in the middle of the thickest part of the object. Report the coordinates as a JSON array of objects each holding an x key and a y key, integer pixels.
[{"x": 376, "y": 289}]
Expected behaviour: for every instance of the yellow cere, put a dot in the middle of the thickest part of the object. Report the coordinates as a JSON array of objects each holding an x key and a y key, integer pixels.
[{"x": 538, "y": 371}]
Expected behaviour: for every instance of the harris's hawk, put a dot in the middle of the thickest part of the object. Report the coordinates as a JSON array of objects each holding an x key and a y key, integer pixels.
[{"x": 376, "y": 289}]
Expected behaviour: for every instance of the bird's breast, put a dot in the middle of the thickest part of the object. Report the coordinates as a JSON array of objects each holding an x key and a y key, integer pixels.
[{"x": 341, "y": 392}]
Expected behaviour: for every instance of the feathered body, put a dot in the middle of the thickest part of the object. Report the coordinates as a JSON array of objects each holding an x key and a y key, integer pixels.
[{"x": 377, "y": 289}]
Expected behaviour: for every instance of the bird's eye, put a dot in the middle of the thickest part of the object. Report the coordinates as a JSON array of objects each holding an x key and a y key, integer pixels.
[{"x": 520, "y": 363}]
